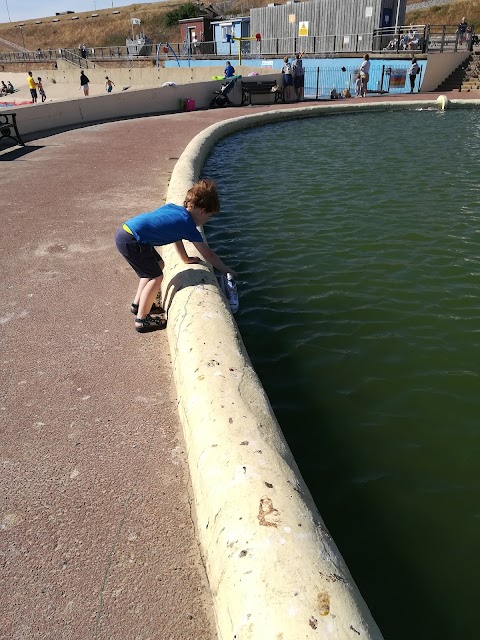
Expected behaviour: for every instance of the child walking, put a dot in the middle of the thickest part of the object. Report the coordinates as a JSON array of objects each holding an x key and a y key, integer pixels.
[
  {"x": 137, "y": 238},
  {"x": 41, "y": 90},
  {"x": 109, "y": 84}
]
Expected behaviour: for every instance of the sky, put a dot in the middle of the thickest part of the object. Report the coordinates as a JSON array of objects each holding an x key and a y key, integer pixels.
[{"x": 15, "y": 10}]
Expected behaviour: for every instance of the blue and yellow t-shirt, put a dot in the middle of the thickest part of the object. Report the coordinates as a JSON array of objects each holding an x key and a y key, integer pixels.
[{"x": 165, "y": 225}]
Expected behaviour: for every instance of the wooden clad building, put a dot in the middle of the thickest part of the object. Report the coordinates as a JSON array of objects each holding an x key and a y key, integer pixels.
[{"x": 317, "y": 26}]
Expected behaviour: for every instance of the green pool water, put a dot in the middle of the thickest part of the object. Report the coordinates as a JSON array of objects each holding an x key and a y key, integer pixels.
[{"x": 356, "y": 238}]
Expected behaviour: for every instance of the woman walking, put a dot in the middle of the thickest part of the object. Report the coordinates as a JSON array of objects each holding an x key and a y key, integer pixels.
[{"x": 84, "y": 83}]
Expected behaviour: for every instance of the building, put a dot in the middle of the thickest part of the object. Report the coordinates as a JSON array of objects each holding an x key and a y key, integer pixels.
[
  {"x": 320, "y": 26},
  {"x": 223, "y": 30},
  {"x": 197, "y": 34}
]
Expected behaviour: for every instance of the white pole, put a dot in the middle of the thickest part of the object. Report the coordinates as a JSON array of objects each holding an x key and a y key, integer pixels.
[
  {"x": 8, "y": 12},
  {"x": 396, "y": 19}
]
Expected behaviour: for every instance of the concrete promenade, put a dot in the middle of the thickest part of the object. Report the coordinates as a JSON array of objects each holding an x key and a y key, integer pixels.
[{"x": 96, "y": 530}]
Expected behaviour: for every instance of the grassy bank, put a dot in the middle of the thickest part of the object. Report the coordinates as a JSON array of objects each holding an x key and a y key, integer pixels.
[{"x": 111, "y": 29}]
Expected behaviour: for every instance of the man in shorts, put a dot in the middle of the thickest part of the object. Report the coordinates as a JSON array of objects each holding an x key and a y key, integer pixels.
[{"x": 298, "y": 76}]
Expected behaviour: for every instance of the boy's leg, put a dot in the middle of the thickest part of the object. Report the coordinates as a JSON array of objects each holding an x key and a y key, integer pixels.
[
  {"x": 147, "y": 292},
  {"x": 141, "y": 286}
]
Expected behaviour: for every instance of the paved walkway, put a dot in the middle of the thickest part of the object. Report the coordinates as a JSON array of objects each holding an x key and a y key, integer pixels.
[{"x": 96, "y": 532}]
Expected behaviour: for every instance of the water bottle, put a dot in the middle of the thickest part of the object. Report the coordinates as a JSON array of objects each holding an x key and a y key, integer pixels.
[{"x": 230, "y": 290}]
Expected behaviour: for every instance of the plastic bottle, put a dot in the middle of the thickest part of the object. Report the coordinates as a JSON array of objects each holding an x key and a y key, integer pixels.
[{"x": 230, "y": 291}]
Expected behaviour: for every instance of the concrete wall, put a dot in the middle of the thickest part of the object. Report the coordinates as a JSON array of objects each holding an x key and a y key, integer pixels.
[
  {"x": 146, "y": 76},
  {"x": 440, "y": 66},
  {"x": 274, "y": 571},
  {"x": 69, "y": 113}
]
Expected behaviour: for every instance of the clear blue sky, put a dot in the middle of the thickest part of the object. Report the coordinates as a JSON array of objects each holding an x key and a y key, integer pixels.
[{"x": 28, "y": 9}]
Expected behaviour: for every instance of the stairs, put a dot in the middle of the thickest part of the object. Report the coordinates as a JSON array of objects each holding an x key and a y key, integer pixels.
[
  {"x": 466, "y": 76},
  {"x": 12, "y": 45}
]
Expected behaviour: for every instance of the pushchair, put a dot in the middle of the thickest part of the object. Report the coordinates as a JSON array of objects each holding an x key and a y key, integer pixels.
[{"x": 220, "y": 97}]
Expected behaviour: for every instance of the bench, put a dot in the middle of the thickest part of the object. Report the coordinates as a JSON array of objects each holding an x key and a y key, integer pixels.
[
  {"x": 9, "y": 129},
  {"x": 258, "y": 87}
]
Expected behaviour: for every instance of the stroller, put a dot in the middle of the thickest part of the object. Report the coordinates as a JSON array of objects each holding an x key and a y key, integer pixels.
[{"x": 220, "y": 97}]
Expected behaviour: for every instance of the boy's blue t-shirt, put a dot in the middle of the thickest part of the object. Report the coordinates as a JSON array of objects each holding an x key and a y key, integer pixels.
[{"x": 165, "y": 225}]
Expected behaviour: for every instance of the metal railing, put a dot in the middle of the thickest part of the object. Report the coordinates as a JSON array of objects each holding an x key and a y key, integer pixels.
[
  {"x": 320, "y": 82},
  {"x": 74, "y": 59},
  {"x": 418, "y": 38}
]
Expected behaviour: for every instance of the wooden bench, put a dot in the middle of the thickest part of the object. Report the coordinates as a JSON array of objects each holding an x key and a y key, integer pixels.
[
  {"x": 258, "y": 87},
  {"x": 9, "y": 129}
]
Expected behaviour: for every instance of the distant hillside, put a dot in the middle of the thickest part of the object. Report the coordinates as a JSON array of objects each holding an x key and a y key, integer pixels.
[
  {"x": 447, "y": 14},
  {"x": 111, "y": 29}
]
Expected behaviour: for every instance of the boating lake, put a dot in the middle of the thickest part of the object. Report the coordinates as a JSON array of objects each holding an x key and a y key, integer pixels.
[{"x": 356, "y": 238}]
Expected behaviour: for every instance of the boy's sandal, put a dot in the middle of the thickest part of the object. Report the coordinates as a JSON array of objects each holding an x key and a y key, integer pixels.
[
  {"x": 147, "y": 324},
  {"x": 156, "y": 308}
]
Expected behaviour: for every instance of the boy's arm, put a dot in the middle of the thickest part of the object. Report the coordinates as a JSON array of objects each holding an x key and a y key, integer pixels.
[
  {"x": 211, "y": 256},
  {"x": 183, "y": 254}
]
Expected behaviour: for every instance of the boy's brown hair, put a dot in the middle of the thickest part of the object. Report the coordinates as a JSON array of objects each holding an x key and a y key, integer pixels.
[{"x": 204, "y": 195}]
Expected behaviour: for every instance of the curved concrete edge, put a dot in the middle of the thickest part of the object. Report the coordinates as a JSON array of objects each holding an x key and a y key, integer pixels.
[{"x": 273, "y": 568}]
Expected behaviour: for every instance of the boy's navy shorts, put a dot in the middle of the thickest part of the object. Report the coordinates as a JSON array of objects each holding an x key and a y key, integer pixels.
[{"x": 143, "y": 258}]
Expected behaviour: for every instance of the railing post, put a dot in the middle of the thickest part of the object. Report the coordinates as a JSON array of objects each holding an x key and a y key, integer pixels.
[
  {"x": 442, "y": 42},
  {"x": 381, "y": 80},
  {"x": 318, "y": 80},
  {"x": 426, "y": 36}
]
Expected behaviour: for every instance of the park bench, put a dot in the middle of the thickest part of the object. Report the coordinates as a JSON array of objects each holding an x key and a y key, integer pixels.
[
  {"x": 258, "y": 87},
  {"x": 9, "y": 129}
]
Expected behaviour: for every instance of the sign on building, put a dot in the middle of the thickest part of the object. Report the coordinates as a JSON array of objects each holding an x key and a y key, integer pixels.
[{"x": 303, "y": 28}]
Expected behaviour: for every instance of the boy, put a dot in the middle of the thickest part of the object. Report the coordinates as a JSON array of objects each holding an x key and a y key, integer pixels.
[
  {"x": 137, "y": 239},
  {"x": 109, "y": 84},
  {"x": 229, "y": 70},
  {"x": 358, "y": 85},
  {"x": 41, "y": 90}
]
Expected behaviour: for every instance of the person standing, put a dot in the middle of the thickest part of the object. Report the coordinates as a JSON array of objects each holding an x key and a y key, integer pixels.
[
  {"x": 413, "y": 71},
  {"x": 41, "y": 90},
  {"x": 365, "y": 74},
  {"x": 32, "y": 85},
  {"x": 298, "y": 76},
  {"x": 109, "y": 84},
  {"x": 287, "y": 78},
  {"x": 84, "y": 83},
  {"x": 462, "y": 30}
]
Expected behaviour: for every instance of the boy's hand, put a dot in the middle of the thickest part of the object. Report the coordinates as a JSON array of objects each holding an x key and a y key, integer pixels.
[{"x": 234, "y": 273}]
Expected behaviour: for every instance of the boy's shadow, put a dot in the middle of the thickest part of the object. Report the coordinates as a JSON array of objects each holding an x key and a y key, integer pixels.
[{"x": 184, "y": 279}]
